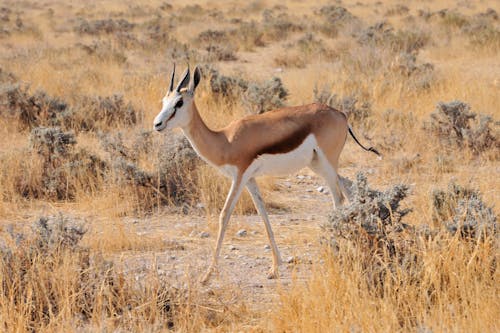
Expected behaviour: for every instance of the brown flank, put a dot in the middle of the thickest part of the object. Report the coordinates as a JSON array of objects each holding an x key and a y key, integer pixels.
[{"x": 288, "y": 143}]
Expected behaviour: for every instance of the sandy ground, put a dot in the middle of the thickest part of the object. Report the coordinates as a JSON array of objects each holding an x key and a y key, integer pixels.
[{"x": 244, "y": 260}]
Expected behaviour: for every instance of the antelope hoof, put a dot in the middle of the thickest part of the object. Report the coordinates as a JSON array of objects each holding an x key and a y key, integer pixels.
[{"x": 273, "y": 274}]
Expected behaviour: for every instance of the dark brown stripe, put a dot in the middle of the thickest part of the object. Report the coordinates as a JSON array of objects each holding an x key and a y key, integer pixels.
[{"x": 288, "y": 143}]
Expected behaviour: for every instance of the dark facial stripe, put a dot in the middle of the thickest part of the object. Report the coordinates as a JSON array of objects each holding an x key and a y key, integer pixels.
[
  {"x": 172, "y": 115},
  {"x": 288, "y": 143}
]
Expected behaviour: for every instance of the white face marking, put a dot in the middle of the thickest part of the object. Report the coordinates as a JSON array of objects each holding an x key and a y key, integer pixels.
[
  {"x": 173, "y": 112},
  {"x": 283, "y": 164}
]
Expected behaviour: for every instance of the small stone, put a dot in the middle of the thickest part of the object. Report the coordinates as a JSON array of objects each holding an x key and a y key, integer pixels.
[
  {"x": 258, "y": 285},
  {"x": 226, "y": 257},
  {"x": 267, "y": 247},
  {"x": 204, "y": 234},
  {"x": 135, "y": 221},
  {"x": 232, "y": 247},
  {"x": 291, "y": 260},
  {"x": 173, "y": 257},
  {"x": 287, "y": 184},
  {"x": 241, "y": 233},
  {"x": 309, "y": 190},
  {"x": 200, "y": 205},
  {"x": 320, "y": 189},
  {"x": 254, "y": 232},
  {"x": 300, "y": 177}
]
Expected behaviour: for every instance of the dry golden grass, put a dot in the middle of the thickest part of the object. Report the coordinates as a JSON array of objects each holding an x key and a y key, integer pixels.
[
  {"x": 44, "y": 46},
  {"x": 457, "y": 282}
]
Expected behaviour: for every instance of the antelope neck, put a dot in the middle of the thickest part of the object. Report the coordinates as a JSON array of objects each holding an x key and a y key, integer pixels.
[{"x": 209, "y": 144}]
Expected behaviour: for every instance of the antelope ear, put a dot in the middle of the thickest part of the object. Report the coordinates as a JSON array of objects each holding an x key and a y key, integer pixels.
[
  {"x": 171, "y": 88},
  {"x": 185, "y": 80},
  {"x": 196, "y": 79}
]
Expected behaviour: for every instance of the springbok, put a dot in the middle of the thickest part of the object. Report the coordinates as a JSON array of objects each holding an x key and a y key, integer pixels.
[{"x": 276, "y": 142}]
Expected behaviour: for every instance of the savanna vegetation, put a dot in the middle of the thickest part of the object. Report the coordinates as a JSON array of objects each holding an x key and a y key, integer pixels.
[{"x": 106, "y": 225}]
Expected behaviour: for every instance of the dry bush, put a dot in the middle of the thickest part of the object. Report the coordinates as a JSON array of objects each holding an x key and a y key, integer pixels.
[
  {"x": 348, "y": 104},
  {"x": 417, "y": 76},
  {"x": 461, "y": 210},
  {"x": 103, "y": 50},
  {"x": 49, "y": 281},
  {"x": 100, "y": 113},
  {"x": 228, "y": 87},
  {"x": 373, "y": 219},
  {"x": 382, "y": 34},
  {"x": 408, "y": 277},
  {"x": 51, "y": 169},
  {"x": 174, "y": 181},
  {"x": 397, "y": 9},
  {"x": 333, "y": 17},
  {"x": 87, "y": 113},
  {"x": 217, "y": 44},
  {"x": 483, "y": 34},
  {"x": 454, "y": 124},
  {"x": 269, "y": 95},
  {"x": 217, "y": 53},
  {"x": 482, "y": 29},
  {"x": 18, "y": 25},
  {"x": 278, "y": 26},
  {"x": 31, "y": 110},
  {"x": 106, "y": 26},
  {"x": 442, "y": 288},
  {"x": 303, "y": 51},
  {"x": 248, "y": 35}
]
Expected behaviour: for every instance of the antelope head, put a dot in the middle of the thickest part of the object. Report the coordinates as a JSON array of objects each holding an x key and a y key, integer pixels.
[{"x": 177, "y": 105}]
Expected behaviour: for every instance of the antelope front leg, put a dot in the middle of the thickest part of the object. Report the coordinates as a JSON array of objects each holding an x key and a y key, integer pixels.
[
  {"x": 231, "y": 200},
  {"x": 259, "y": 204}
]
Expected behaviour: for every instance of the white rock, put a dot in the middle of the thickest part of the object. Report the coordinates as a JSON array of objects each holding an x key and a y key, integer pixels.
[
  {"x": 300, "y": 177},
  {"x": 232, "y": 247},
  {"x": 267, "y": 247},
  {"x": 241, "y": 233},
  {"x": 320, "y": 189},
  {"x": 291, "y": 259}
]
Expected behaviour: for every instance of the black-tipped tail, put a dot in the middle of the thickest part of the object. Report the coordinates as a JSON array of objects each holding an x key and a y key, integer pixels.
[{"x": 373, "y": 150}]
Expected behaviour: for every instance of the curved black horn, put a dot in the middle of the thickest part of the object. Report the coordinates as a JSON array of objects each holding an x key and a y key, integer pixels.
[
  {"x": 184, "y": 81},
  {"x": 172, "y": 80}
]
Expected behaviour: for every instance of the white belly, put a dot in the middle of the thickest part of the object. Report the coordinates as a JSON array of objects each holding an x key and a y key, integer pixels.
[{"x": 283, "y": 164}]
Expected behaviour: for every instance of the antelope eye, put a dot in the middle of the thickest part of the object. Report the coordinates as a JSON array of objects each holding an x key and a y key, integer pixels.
[{"x": 179, "y": 104}]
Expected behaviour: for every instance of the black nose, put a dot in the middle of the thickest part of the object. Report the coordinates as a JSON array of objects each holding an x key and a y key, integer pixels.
[{"x": 158, "y": 124}]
